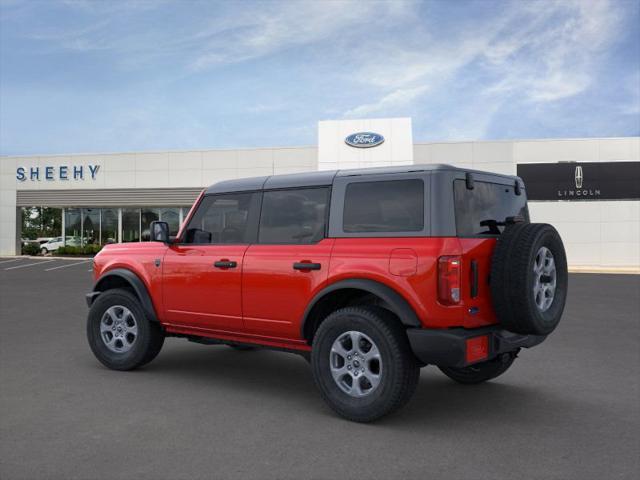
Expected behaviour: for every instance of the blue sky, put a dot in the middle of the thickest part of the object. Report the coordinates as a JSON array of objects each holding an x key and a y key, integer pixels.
[{"x": 103, "y": 76}]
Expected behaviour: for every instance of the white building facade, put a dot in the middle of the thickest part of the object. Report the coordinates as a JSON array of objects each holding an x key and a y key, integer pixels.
[{"x": 112, "y": 197}]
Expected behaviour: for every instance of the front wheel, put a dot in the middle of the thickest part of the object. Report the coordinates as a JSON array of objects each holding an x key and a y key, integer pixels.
[
  {"x": 362, "y": 363},
  {"x": 480, "y": 372},
  {"x": 119, "y": 333},
  {"x": 44, "y": 251}
]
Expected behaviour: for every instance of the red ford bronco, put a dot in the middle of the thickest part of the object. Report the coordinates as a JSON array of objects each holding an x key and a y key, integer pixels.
[{"x": 370, "y": 274}]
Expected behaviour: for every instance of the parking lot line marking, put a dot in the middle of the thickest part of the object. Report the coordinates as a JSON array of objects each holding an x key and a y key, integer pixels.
[
  {"x": 30, "y": 264},
  {"x": 65, "y": 266},
  {"x": 9, "y": 261}
]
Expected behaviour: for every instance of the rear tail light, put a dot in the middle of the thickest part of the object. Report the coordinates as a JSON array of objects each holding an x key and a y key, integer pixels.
[{"x": 449, "y": 280}]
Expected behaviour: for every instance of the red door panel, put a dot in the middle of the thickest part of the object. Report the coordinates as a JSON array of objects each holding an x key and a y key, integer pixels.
[
  {"x": 199, "y": 294},
  {"x": 274, "y": 293}
]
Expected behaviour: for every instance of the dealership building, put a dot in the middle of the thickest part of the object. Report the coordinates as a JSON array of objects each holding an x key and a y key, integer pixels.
[{"x": 588, "y": 188}]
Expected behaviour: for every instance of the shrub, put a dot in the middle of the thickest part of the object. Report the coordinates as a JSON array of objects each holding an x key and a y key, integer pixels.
[
  {"x": 31, "y": 249},
  {"x": 85, "y": 250}
]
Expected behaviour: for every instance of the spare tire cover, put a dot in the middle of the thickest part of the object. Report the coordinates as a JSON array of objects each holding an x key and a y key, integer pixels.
[{"x": 529, "y": 278}]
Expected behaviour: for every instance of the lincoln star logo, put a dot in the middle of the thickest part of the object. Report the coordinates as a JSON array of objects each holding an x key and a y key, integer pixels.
[
  {"x": 580, "y": 191},
  {"x": 579, "y": 177},
  {"x": 364, "y": 139}
]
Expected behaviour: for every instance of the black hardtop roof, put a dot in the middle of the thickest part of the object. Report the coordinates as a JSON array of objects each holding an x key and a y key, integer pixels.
[{"x": 325, "y": 178}]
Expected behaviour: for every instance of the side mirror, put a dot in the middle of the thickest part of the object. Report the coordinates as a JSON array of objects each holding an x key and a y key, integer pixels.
[{"x": 160, "y": 232}]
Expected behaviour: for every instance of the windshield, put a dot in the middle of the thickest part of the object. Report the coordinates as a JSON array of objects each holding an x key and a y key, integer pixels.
[{"x": 483, "y": 210}]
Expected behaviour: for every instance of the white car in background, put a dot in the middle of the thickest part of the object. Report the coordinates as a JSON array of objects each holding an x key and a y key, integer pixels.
[{"x": 57, "y": 242}]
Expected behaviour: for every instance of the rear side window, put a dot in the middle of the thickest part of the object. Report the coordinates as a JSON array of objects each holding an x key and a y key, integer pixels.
[
  {"x": 385, "y": 206},
  {"x": 295, "y": 216},
  {"x": 478, "y": 210},
  {"x": 228, "y": 218}
]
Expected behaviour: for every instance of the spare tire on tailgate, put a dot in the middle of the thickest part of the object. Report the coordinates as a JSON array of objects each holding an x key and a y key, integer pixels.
[{"x": 529, "y": 278}]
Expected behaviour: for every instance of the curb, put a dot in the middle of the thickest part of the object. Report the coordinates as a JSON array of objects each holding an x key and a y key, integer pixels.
[{"x": 609, "y": 270}]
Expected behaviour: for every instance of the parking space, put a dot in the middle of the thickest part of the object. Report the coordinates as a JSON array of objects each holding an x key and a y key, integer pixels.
[
  {"x": 43, "y": 264},
  {"x": 566, "y": 409}
]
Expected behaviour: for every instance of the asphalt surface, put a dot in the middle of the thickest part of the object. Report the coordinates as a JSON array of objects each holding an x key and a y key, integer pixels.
[{"x": 566, "y": 409}]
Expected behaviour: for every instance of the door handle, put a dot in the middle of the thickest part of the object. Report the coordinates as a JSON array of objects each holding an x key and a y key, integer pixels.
[
  {"x": 306, "y": 266},
  {"x": 225, "y": 264}
]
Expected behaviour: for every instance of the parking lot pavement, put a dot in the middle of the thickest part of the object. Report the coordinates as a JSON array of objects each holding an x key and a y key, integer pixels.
[
  {"x": 566, "y": 409},
  {"x": 45, "y": 264}
]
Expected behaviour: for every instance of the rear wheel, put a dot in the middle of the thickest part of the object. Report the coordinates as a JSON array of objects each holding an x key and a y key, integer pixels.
[
  {"x": 480, "y": 372},
  {"x": 119, "y": 333},
  {"x": 362, "y": 363}
]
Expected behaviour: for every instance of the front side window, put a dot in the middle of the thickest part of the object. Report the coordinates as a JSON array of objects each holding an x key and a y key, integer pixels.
[
  {"x": 384, "y": 206},
  {"x": 295, "y": 216},
  {"x": 223, "y": 219}
]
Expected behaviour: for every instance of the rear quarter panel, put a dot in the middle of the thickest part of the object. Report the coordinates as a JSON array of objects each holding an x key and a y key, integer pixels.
[{"x": 369, "y": 258}]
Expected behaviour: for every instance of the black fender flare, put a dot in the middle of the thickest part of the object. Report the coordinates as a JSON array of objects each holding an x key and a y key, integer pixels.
[
  {"x": 134, "y": 282},
  {"x": 397, "y": 303}
]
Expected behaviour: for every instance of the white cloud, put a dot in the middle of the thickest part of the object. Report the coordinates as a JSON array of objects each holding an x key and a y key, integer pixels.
[
  {"x": 286, "y": 25},
  {"x": 533, "y": 51},
  {"x": 552, "y": 57},
  {"x": 396, "y": 99}
]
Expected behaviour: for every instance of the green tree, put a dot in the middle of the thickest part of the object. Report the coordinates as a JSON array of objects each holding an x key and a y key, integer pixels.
[{"x": 41, "y": 222}]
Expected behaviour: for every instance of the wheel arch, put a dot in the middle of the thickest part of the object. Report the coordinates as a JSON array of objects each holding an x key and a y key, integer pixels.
[
  {"x": 349, "y": 292},
  {"x": 123, "y": 278}
]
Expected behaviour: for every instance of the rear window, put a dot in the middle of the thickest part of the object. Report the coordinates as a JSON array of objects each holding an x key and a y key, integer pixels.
[
  {"x": 478, "y": 210},
  {"x": 386, "y": 206}
]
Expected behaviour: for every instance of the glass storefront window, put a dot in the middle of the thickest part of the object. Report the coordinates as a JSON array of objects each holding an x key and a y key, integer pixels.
[
  {"x": 41, "y": 222},
  {"x": 148, "y": 215},
  {"x": 86, "y": 226},
  {"x": 109, "y": 226},
  {"x": 90, "y": 226},
  {"x": 130, "y": 224},
  {"x": 72, "y": 226},
  {"x": 172, "y": 217}
]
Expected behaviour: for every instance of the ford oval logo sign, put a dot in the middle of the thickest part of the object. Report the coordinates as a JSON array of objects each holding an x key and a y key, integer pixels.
[{"x": 364, "y": 139}]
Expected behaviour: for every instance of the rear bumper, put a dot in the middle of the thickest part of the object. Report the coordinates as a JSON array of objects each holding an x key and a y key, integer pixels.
[{"x": 450, "y": 347}]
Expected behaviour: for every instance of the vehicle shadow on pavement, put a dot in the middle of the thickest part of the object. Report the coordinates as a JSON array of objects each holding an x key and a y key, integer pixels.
[
  {"x": 438, "y": 401},
  {"x": 219, "y": 366}
]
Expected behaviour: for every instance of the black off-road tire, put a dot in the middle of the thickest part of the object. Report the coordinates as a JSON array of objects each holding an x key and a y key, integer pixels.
[
  {"x": 480, "y": 372},
  {"x": 148, "y": 342},
  {"x": 399, "y": 373},
  {"x": 513, "y": 278}
]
